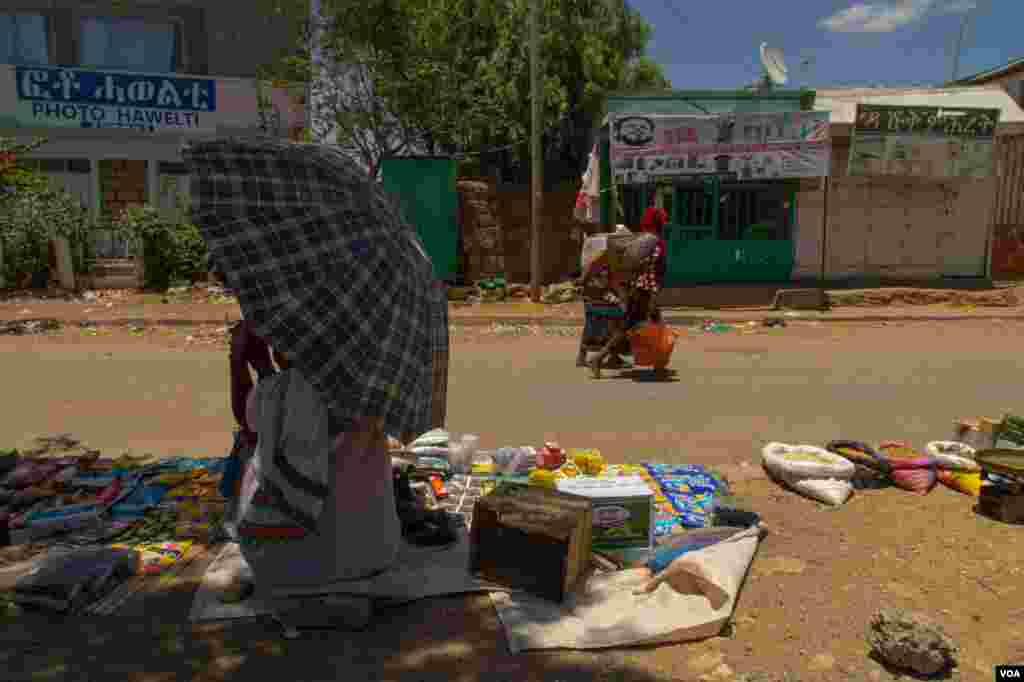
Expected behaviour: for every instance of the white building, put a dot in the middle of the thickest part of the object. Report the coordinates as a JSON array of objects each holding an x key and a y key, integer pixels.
[{"x": 117, "y": 87}]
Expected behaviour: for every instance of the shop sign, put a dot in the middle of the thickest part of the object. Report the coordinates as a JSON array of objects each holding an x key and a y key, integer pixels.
[
  {"x": 935, "y": 142},
  {"x": 755, "y": 146},
  {"x": 77, "y": 98}
]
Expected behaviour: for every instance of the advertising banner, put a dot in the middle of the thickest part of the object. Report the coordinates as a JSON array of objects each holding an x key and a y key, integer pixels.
[
  {"x": 928, "y": 142},
  {"x": 755, "y": 146}
]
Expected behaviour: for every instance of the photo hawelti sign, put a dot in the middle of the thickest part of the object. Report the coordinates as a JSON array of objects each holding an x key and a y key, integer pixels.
[
  {"x": 929, "y": 142},
  {"x": 752, "y": 146},
  {"x": 46, "y": 97},
  {"x": 73, "y": 98}
]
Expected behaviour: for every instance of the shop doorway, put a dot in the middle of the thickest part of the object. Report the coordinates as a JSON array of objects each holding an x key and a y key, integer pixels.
[
  {"x": 721, "y": 230},
  {"x": 122, "y": 184}
]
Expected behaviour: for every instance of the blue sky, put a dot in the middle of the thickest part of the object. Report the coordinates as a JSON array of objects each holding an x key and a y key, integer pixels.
[{"x": 711, "y": 44}]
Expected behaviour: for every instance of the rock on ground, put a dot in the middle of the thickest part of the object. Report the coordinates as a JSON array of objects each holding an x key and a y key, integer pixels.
[{"x": 910, "y": 641}]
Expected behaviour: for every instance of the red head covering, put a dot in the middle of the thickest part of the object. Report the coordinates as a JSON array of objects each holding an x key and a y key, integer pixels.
[{"x": 654, "y": 219}]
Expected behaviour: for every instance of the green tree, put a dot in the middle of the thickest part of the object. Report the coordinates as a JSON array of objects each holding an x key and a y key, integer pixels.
[
  {"x": 32, "y": 212},
  {"x": 453, "y": 75}
]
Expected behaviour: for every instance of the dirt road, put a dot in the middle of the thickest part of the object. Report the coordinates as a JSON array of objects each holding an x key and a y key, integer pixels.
[{"x": 818, "y": 577}]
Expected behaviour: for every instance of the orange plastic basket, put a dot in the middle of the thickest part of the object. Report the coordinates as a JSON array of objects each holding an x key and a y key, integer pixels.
[{"x": 652, "y": 345}]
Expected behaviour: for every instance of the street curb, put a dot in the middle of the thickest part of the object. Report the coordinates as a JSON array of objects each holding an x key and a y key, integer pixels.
[{"x": 681, "y": 320}]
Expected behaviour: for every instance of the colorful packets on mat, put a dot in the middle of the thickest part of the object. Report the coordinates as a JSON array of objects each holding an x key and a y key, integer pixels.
[
  {"x": 691, "y": 490},
  {"x": 156, "y": 557}
]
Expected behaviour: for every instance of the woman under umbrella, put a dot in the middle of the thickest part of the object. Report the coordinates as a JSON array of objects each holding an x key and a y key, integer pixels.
[{"x": 340, "y": 287}]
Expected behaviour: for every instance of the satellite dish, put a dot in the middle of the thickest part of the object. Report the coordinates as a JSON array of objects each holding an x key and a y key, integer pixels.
[{"x": 774, "y": 65}]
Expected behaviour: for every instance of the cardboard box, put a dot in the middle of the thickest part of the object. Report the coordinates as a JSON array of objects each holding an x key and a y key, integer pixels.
[
  {"x": 623, "y": 510},
  {"x": 532, "y": 539}
]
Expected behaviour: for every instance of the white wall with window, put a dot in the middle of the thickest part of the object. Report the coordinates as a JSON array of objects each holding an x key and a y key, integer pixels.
[
  {"x": 129, "y": 44},
  {"x": 24, "y": 39}
]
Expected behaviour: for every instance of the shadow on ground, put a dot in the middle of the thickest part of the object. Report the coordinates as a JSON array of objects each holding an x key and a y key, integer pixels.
[{"x": 446, "y": 639}]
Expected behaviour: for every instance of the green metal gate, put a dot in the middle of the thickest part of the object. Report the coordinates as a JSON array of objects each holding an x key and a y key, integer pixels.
[
  {"x": 425, "y": 189},
  {"x": 730, "y": 232}
]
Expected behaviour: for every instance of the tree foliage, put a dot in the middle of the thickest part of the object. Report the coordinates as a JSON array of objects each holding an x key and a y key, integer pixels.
[
  {"x": 454, "y": 75},
  {"x": 32, "y": 212}
]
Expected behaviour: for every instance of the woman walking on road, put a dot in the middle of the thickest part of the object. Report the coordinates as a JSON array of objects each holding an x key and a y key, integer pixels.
[{"x": 641, "y": 293}]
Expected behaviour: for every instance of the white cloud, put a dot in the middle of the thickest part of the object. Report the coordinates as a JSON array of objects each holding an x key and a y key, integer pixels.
[{"x": 885, "y": 17}]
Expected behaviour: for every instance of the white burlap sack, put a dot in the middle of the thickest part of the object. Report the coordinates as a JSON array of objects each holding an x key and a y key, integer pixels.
[
  {"x": 825, "y": 478},
  {"x": 952, "y": 455}
]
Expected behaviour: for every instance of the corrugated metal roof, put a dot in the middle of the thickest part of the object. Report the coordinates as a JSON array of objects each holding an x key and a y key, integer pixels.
[
  {"x": 843, "y": 103},
  {"x": 703, "y": 102},
  {"x": 982, "y": 76}
]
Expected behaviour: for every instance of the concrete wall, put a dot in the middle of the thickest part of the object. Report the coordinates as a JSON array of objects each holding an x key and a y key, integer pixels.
[
  {"x": 1013, "y": 83},
  {"x": 893, "y": 228},
  {"x": 219, "y": 38}
]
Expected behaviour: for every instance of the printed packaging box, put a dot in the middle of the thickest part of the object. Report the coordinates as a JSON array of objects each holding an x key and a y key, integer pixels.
[{"x": 623, "y": 510}]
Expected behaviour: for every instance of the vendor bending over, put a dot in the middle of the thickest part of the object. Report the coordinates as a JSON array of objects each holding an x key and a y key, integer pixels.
[{"x": 358, "y": 532}]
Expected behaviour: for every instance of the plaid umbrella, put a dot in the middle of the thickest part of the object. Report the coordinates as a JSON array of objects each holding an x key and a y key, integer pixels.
[{"x": 327, "y": 271}]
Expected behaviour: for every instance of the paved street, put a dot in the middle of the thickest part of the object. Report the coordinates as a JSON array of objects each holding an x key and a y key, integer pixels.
[
  {"x": 730, "y": 392},
  {"x": 818, "y": 576}
]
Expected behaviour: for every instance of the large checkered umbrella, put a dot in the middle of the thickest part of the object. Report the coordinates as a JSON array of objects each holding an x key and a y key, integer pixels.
[{"x": 327, "y": 271}]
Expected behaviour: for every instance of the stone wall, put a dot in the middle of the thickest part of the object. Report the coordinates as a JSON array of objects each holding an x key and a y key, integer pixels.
[
  {"x": 483, "y": 249},
  {"x": 496, "y": 231}
]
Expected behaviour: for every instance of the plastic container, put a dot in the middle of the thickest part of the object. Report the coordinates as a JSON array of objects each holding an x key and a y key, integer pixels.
[
  {"x": 462, "y": 453},
  {"x": 652, "y": 345},
  {"x": 551, "y": 456}
]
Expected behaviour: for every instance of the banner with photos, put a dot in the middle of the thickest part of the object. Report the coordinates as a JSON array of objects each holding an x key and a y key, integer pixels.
[{"x": 754, "y": 146}]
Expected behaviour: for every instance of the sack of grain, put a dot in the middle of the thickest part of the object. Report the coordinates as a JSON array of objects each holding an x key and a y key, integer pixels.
[
  {"x": 627, "y": 252},
  {"x": 811, "y": 471},
  {"x": 952, "y": 455}
]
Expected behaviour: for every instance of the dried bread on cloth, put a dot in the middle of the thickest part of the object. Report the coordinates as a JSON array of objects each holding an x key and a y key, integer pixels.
[{"x": 691, "y": 599}]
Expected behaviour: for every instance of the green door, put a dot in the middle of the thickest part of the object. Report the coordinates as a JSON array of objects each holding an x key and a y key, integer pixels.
[
  {"x": 730, "y": 232},
  {"x": 425, "y": 190}
]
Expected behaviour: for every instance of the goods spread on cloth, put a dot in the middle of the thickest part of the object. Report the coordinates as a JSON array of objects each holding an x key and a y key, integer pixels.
[{"x": 61, "y": 503}]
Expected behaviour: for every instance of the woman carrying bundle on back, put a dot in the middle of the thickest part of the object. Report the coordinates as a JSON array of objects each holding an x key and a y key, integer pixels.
[{"x": 639, "y": 293}]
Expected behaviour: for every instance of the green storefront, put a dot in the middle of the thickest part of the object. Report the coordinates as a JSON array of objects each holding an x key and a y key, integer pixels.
[{"x": 721, "y": 229}]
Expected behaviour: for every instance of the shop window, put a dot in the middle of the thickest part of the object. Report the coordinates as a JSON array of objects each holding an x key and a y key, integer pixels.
[
  {"x": 24, "y": 39},
  {"x": 75, "y": 166},
  {"x": 130, "y": 44},
  {"x": 172, "y": 168}
]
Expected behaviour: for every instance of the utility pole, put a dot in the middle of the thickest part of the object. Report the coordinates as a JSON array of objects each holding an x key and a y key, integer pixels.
[
  {"x": 959, "y": 46},
  {"x": 536, "y": 158}
]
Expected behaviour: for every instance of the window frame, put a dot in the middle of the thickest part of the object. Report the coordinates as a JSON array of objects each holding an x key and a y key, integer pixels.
[
  {"x": 51, "y": 29},
  {"x": 182, "y": 64}
]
